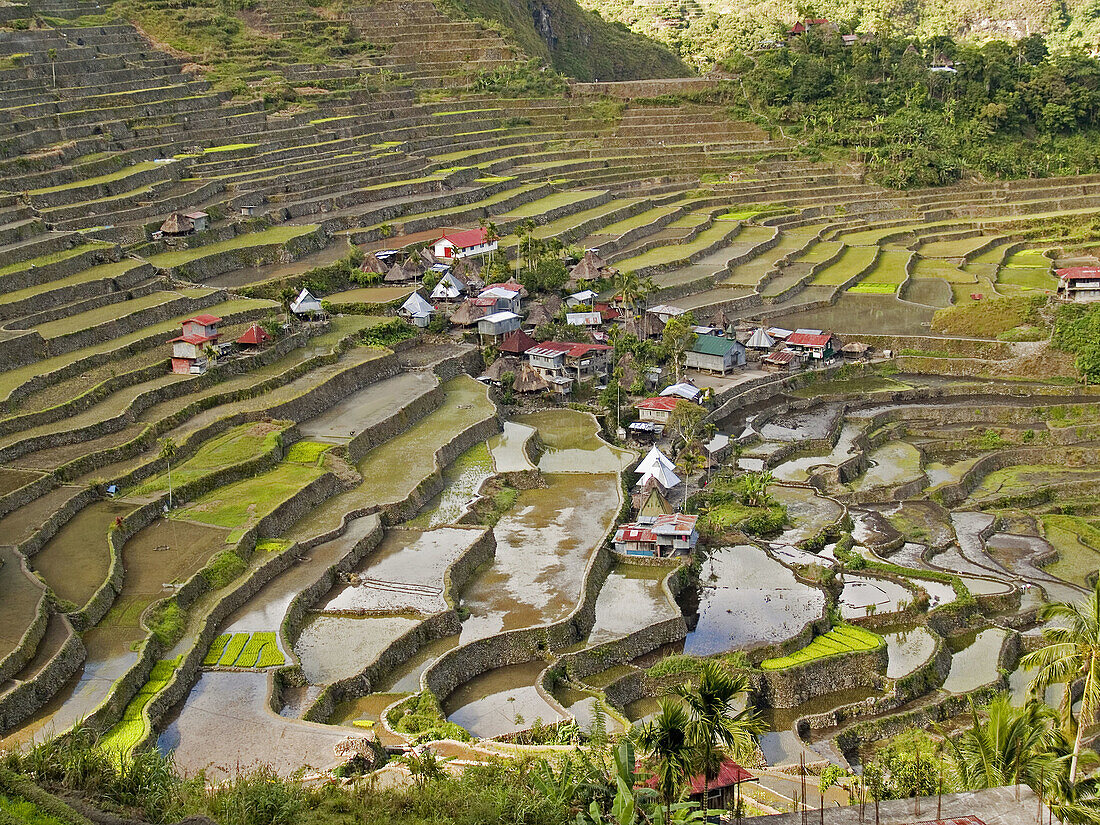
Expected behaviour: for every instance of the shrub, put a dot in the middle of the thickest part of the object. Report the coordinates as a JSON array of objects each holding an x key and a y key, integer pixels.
[
  {"x": 421, "y": 716},
  {"x": 166, "y": 622}
]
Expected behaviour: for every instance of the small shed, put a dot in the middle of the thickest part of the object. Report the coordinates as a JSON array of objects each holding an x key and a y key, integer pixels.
[
  {"x": 760, "y": 340},
  {"x": 200, "y": 221},
  {"x": 855, "y": 350},
  {"x": 416, "y": 310},
  {"x": 586, "y": 297},
  {"x": 497, "y": 325},
  {"x": 177, "y": 225},
  {"x": 685, "y": 390},
  {"x": 306, "y": 304},
  {"x": 715, "y": 354},
  {"x": 783, "y": 361},
  {"x": 528, "y": 380},
  {"x": 255, "y": 337}
]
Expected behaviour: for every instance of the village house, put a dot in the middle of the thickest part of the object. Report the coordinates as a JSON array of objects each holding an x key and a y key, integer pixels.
[
  {"x": 189, "y": 350},
  {"x": 664, "y": 312},
  {"x": 472, "y": 310},
  {"x": 813, "y": 344},
  {"x": 586, "y": 297},
  {"x": 786, "y": 360},
  {"x": 516, "y": 343},
  {"x": 656, "y": 410},
  {"x": 759, "y": 343},
  {"x": 493, "y": 328},
  {"x": 660, "y": 536},
  {"x": 576, "y": 362},
  {"x": 306, "y": 304},
  {"x": 255, "y": 337},
  {"x": 589, "y": 320},
  {"x": 714, "y": 354},
  {"x": 1079, "y": 283},
  {"x": 507, "y": 296},
  {"x": 463, "y": 244},
  {"x": 176, "y": 225},
  {"x": 685, "y": 390},
  {"x": 449, "y": 288},
  {"x": 721, "y": 789},
  {"x": 416, "y": 311}
]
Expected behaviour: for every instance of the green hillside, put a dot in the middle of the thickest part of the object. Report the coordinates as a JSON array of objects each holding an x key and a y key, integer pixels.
[{"x": 704, "y": 31}]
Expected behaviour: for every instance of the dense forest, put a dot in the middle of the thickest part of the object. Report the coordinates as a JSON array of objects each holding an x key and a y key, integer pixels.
[{"x": 925, "y": 113}]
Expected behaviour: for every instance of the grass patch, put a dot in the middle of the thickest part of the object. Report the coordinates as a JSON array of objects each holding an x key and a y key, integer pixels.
[
  {"x": 990, "y": 318},
  {"x": 25, "y": 812},
  {"x": 841, "y": 639},
  {"x": 276, "y": 236},
  {"x": 867, "y": 288},
  {"x": 217, "y": 648},
  {"x": 120, "y": 740},
  {"x": 421, "y": 717},
  {"x": 307, "y": 452},
  {"x": 243, "y": 504},
  {"x": 233, "y": 649},
  {"x": 223, "y": 568},
  {"x": 231, "y": 448},
  {"x": 167, "y": 622},
  {"x": 272, "y": 545}
]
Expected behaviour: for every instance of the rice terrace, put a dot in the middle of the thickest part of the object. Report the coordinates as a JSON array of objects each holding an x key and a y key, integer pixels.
[{"x": 410, "y": 395}]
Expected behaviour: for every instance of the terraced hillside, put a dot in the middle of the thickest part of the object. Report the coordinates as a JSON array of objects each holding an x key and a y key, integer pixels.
[{"x": 287, "y": 540}]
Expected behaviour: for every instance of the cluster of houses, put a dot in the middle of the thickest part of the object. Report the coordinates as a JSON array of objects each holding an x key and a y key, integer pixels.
[
  {"x": 657, "y": 531},
  {"x": 199, "y": 342}
]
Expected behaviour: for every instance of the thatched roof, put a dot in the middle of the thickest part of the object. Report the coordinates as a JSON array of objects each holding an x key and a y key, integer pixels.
[
  {"x": 643, "y": 326},
  {"x": 495, "y": 371},
  {"x": 177, "y": 224},
  {"x": 527, "y": 380},
  {"x": 372, "y": 264},
  {"x": 468, "y": 314},
  {"x": 398, "y": 274},
  {"x": 589, "y": 268},
  {"x": 544, "y": 311},
  {"x": 426, "y": 256},
  {"x": 629, "y": 368},
  {"x": 855, "y": 348}
]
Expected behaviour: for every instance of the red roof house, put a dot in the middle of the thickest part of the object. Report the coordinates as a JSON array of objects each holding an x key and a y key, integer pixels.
[
  {"x": 517, "y": 343},
  {"x": 720, "y": 788},
  {"x": 463, "y": 244},
  {"x": 189, "y": 349},
  {"x": 816, "y": 344},
  {"x": 254, "y": 336},
  {"x": 1079, "y": 283},
  {"x": 658, "y": 410}
]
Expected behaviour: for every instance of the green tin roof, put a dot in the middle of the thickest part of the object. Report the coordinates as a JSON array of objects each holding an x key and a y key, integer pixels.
[{"x": 713, "y": 345}]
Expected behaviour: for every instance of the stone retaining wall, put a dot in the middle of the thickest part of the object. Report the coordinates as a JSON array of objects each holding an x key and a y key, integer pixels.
[
  {"x": 793, "y": 686},
  {"x": 24, "y": 651},
  {"x": 396, "y": 423},
  {"x": 27, "y": 698}
]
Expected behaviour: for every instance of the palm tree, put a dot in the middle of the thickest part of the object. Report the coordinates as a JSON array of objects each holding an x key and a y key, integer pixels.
[
  {"x": 715, "y": 728},
  {"x": 1072, "y": 652},
  {"x": 1011, "y": 746},
  {"x": 286, "y": 298},
  {"x": 168, "y": 452},
  {"x": 631, "y": 289},
  {"x": 665, "y": 739}
]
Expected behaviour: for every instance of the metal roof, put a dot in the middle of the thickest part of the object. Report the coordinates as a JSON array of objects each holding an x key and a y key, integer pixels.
[{"x": 713, "y": 345}]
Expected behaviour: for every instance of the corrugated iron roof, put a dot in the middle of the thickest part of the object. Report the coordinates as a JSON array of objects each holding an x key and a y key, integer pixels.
[
  {"x": 205, "y": 320},
  {"x": 667, "y": 404},
  {"x": 805, "y": 339}
]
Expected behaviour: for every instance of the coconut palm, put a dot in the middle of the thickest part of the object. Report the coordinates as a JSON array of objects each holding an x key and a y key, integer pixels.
[
  {"x": 1072, "y": 652},
  {"x": 168, "y": 452},
  {"x": 631, "y": 289},
  {"x": 671, "y": 752},
  {"x": 716, "y": 728},
  {"x": 1010, "y": 746}
]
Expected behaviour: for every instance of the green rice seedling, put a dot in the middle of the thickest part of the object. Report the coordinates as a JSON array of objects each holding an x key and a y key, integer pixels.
[
  {"x": 306, "y": 452},
  {"x": 262, "y": 650},
  {"x": 233, "y": 649},
  {"x": 217, "y": 648}
]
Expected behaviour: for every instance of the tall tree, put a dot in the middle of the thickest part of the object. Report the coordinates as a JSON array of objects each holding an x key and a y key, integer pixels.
[
  {"x": 1072, "y": 652},
  {"x": 716, "y": 728},
  {"x": 678, "y": 337},
  {"x": 665, "y": 739}
]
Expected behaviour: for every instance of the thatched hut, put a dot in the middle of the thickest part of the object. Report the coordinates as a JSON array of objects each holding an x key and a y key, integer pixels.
[
  {"x": 527, "y": 380},
  {"x": 495, "y": 371}
]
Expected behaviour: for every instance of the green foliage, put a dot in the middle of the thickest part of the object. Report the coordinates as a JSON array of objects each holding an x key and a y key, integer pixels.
[
  {"x": 526, "y": 80},
  {"x": 132, "y": 728},
  {"x": 991, "y": 317},
  {"x": 905, "y": 766},
  {"x": 1077, "y": 331},
  {"x": 388, "y": 333},
  {"x": 421, "y": 717},
  {"x": 223, "y": 568},
  {"x": 991, "y": 440},
  {"x": 167, "y": 621},
  {"x": 307, "y": 452},
  {"x": 841, "y": 639}
]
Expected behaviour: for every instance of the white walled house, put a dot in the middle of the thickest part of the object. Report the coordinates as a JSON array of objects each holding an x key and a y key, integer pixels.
[{"x": 463, "y": 244}]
